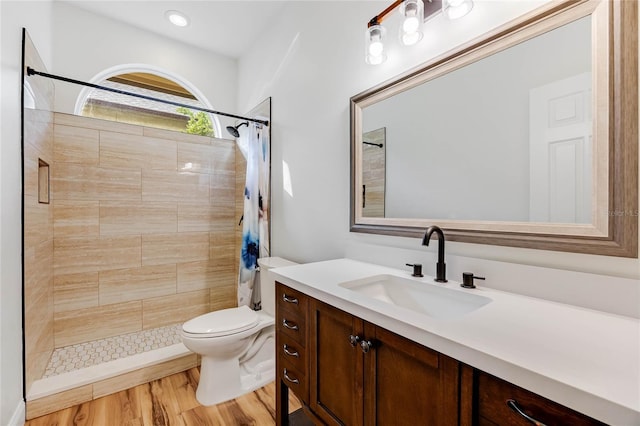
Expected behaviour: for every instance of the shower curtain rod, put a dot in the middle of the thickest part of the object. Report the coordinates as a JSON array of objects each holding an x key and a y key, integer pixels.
[{"x": 31, "y": 71}]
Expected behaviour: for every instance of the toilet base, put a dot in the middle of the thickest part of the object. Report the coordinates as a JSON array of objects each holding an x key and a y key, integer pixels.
[{"x": 223, "y": 380}]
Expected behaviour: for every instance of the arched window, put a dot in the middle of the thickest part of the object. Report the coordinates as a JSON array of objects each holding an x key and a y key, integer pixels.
[{"x": 149, "y": 81}]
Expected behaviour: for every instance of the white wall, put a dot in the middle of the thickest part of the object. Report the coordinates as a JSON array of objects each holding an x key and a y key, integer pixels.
[
  {"x": 87, "y": 44},
  {"x": 311, "y": 62},
  {"x": 36, "y": 17}
]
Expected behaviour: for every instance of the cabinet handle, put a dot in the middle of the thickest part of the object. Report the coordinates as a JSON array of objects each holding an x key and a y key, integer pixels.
[
  {"x": 289, "y": 325},
  {"x": 511, "y": 403},
  {"x": 354, "y": 340},
  {"x": 286, "y": 350},
  {"x": 366, "y": 345},
  {"x": 294, "y": 380},
  {"x": 289, "y": 299}
]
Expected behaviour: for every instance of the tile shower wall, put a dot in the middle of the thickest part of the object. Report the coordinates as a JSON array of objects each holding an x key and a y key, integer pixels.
[
  {"x": 144, "y": 228},
  {"x": 38, "y": 246}
]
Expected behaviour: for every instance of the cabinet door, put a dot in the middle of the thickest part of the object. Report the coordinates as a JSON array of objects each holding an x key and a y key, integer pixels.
[
  {"x": 336, "y": 370},
  {"x": 408, "y": 384}
]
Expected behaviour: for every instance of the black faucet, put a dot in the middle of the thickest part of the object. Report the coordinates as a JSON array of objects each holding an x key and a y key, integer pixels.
[{"x": 441, "y": 267}]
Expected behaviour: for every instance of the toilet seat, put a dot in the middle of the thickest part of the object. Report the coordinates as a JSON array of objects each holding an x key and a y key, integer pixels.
[{"x": 220, "y": 323}]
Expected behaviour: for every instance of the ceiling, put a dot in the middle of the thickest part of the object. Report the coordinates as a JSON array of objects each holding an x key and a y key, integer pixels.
[{"x": 224, "y": 27}]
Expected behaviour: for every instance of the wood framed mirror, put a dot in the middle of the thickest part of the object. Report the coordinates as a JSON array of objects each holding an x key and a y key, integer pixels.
[{"x": 524, "y": 137}]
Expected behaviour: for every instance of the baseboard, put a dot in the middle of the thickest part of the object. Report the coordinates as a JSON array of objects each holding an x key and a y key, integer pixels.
[{"x": 18, "y": 415}]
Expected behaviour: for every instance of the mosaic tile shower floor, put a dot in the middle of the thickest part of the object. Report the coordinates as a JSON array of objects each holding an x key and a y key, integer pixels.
[{"x": 81, "y": 355}]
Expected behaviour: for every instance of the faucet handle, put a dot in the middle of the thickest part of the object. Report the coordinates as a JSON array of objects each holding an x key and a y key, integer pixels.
[
  {"x": 467, "y": 280},
  {"x": 417, "y": 269}
]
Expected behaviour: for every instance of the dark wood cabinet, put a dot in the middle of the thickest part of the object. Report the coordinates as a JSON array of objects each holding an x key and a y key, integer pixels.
[
  {"x": 364, "y": 374},
  {"x": 502, "y": 403},
  {"x": 347, "y": 371}
]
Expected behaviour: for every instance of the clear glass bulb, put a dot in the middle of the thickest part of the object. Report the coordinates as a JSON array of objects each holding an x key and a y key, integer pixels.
[
  {"x": 374, "y": 44},
  {"x": 413, "y": 13},
  {"x": 411, "y": 24},
  {"x": 454, "y": 9}
]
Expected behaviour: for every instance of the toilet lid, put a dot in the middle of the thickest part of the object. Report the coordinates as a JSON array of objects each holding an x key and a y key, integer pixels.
[{"x": 222, "y": 323}]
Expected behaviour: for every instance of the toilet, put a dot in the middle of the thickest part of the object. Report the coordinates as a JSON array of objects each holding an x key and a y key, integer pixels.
[{"x": 237, "y": 345}]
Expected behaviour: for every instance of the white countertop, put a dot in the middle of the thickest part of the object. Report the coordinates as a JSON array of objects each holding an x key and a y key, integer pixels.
[{"x": 584, "y": 359}]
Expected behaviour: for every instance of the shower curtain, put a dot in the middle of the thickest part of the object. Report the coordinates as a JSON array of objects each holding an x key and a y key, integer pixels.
[{"x": 255, "y": 224}]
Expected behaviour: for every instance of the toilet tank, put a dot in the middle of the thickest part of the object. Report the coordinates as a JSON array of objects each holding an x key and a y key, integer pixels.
[{"x": 268, "y": 283}]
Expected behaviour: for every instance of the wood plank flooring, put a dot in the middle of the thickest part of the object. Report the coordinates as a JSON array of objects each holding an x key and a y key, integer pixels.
[{"x": 167, "y": 402}]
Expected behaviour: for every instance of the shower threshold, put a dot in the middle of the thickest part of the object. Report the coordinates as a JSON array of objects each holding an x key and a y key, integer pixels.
[{"x": 91, "y": 362}]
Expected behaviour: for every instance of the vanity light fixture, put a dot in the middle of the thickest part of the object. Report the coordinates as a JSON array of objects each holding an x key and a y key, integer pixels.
[
  {"x": 177, "y": 18},
  {"x": 413, "y": 16}
]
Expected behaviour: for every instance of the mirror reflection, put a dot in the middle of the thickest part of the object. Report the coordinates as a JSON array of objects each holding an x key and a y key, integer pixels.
[{"x": 506, "y": 138}]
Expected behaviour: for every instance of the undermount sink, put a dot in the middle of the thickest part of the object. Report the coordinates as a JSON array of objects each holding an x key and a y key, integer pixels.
[{"x": 425, "y": 298}]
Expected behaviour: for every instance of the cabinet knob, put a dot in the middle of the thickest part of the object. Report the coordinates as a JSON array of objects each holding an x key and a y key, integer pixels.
[
  {"x": 511, "y": 403},
  {"x": 353, "y": 340},
  {"x": 366, "y": 345}
]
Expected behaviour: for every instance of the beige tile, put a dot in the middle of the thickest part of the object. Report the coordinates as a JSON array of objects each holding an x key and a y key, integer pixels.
[
  {"x": 172, "y": 309},
  {"x": 206, "y": 158},
  {"x": 131, "y": 151},
  {"x": 144, "y": 375},
  {"x": 175, "y": 248},
  {"x": 75, "y": 291},
  {"x": 49, "y": 404},
  {"x": 176, "y": 136},
  {"x": 76, "y": 218},
  {"x": 30, "y": 165},
  {"x": 84, "y": 325},
  {"x": 223, "y": 297},
  {"x": 79, "y": 182},
  {"x": 39, "y": 134},
  {"x": 38, "y": 309},
  {"x": 136, "y": 217},
  {"x": 75, "y": 145},
  {"x": 204, "y": 274},
  {"x": 93, "y": 123},
  {"x": 223, "y": 188},
  {"x": 222, "y": 248},
  {"x": 77, "y": 255},
  {"x": 205, "y": 217},
  {"x": 123, "y": 285},
  {"x": 38, "y": 221},
  {"x": 175, "y": 186}
]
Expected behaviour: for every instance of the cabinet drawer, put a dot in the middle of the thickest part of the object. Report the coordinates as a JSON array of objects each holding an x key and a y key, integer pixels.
[
  {"x": 294, "y": 380},
  {"x": 292, "y": 325},
  {"x": 292, "y": 352},
  {"x": 290, "y": 299},
  {"x": 493, "y": 397}
]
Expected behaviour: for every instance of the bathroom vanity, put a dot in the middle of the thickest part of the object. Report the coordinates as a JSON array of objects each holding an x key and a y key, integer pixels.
[{"x": 364, "y": 344}]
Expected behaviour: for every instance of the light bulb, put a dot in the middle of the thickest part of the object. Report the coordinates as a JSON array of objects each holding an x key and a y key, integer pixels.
[
  {"x": 454, "y": 9},
  {"x": 374, "y": 42},
  {"x": 178, "y": 19},
  {"x": 376, "y": 48},
  {"x": 410, "y": 24},
  {"x": 409, "y": 39}
]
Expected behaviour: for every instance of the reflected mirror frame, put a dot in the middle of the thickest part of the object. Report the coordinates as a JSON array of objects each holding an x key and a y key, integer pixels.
[{"x": 620, "y": 236}]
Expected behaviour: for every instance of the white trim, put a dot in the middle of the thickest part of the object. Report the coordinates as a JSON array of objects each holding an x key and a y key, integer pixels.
[
  {"x": 17, "y": 419},
  {"x": 151, "y": 69}
]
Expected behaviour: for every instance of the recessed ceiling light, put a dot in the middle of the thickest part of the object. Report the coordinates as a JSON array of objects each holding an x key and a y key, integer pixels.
[{"x": 178, "y": 19}]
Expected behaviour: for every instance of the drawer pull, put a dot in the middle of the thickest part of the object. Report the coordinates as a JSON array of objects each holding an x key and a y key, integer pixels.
[
  {"x": 288, "y": 352},
  {"x": 511, "y": 403},
  {"x": 294, "y": 380},
  {"x": 290, "y": 325},
  {"x": 289, "y": 299}
]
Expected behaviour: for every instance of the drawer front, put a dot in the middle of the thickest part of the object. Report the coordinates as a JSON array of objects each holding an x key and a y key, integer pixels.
[
  {"x": 294, "y": 380},
  {"x": 493, "y": 397},
  {"x": 292, "y": 353},
  {"x": 291, "y": 325},
  {"x": 291, "y": 300}
]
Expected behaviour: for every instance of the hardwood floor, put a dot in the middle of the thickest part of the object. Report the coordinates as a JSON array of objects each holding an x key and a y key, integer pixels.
[{"x": 167, "y": 402}]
